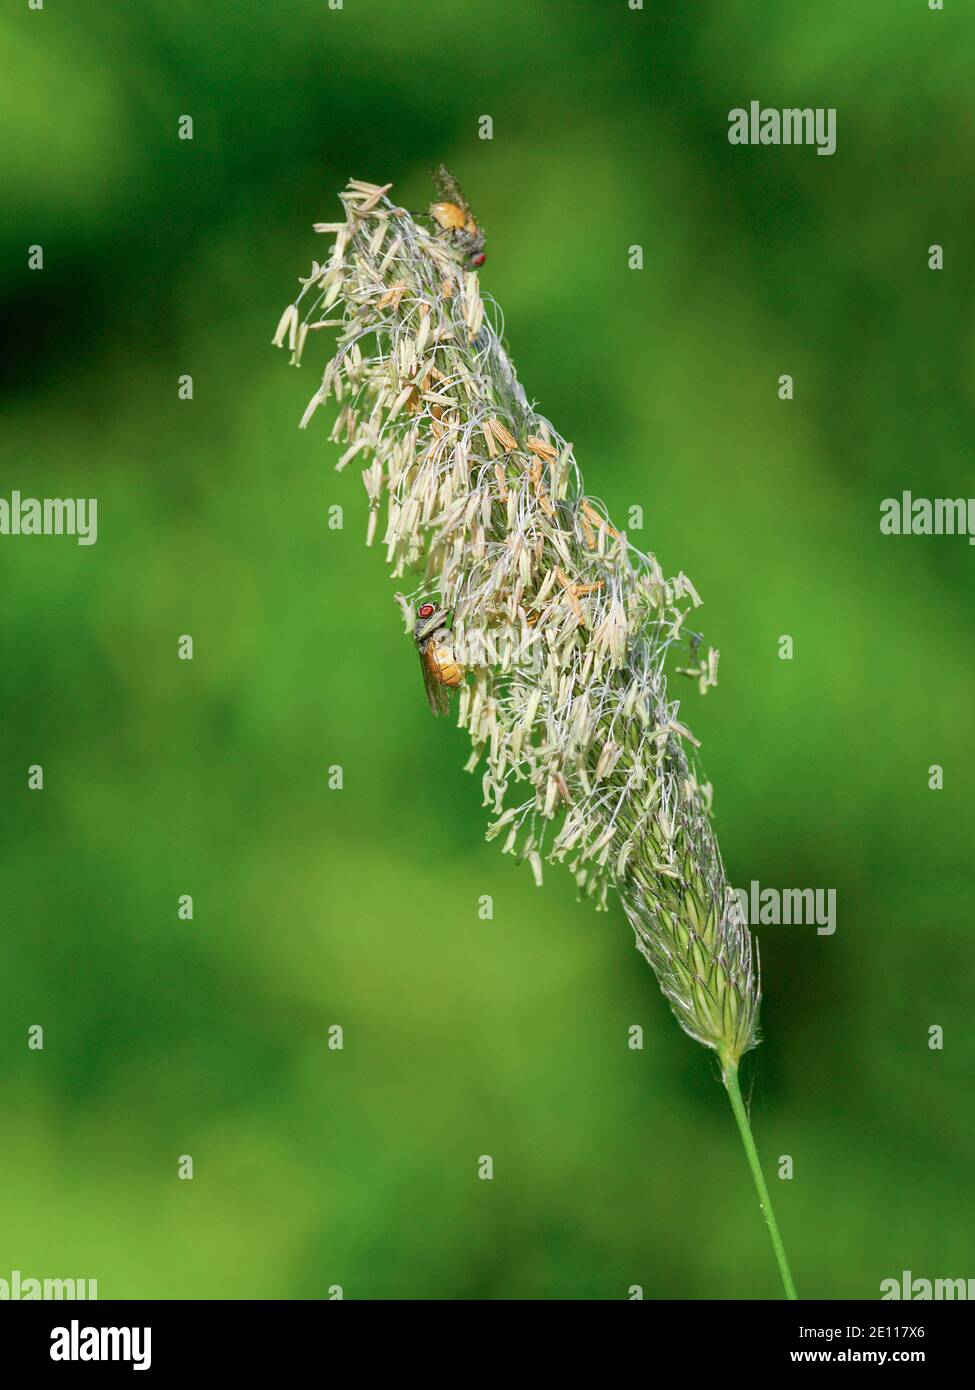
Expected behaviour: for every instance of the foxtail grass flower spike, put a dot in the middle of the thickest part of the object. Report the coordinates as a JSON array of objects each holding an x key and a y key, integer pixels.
[{"x": 566, "y": 629}]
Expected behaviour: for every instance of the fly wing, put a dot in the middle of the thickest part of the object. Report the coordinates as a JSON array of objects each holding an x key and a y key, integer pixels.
[
  {"x": 437, "y": 693},
  {"x": 448, "y": 187}
]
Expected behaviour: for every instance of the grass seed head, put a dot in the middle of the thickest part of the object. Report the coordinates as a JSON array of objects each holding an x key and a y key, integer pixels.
[{"x": 566, "y": 628}]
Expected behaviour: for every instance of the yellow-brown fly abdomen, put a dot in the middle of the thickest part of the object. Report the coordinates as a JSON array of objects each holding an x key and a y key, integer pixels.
[
  {"x": 442, "y": 664},
  {"x": 448, "y": 216}
]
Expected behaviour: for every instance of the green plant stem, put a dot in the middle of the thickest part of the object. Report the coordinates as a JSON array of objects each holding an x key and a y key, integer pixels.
[{"x": 745, "y": 1130}]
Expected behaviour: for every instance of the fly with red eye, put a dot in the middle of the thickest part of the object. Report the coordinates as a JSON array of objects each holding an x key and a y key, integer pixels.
[
  {"x": 452, "y": 214},
  {"x": 442, "y": 672}
]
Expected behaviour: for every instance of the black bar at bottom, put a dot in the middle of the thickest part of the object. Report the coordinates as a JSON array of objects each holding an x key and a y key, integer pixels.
[{"x": 166, "y": 1339}]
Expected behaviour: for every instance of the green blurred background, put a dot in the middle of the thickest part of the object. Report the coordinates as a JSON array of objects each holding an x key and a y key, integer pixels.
[{"x": 359, "y": 907}]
